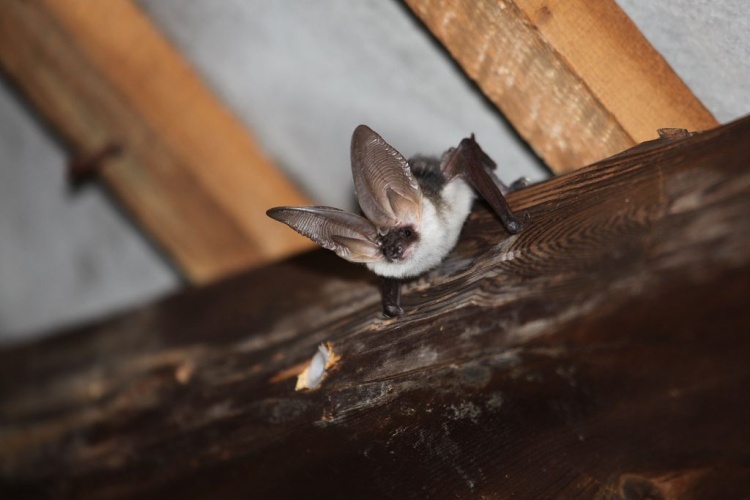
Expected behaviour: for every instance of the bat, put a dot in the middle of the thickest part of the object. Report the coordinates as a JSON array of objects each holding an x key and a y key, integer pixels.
[{"x": 413, "y": 210}]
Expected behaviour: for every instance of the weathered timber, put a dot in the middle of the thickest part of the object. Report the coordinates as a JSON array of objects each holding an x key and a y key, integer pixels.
[
  {"x": 577, "y": 79},
  {"x": 600, "y": 353},
  {"x": 186, "y": 168}
]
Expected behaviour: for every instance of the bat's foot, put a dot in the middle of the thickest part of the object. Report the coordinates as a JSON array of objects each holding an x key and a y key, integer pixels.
[
  {"x": 390, "y": 290},
  {"x": 392, "y": 310},
  {"x": 519, "y": 183}
]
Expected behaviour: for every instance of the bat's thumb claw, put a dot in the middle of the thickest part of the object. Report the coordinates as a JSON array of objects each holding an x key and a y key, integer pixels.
[{"x": 513, "y": 226}]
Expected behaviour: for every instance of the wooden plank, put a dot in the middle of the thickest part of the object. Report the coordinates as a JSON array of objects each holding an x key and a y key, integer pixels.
[
  {"x": 576, "y": 78},
  {"x": 600, "y": 353},
  {"x": 186, "y": 168}
]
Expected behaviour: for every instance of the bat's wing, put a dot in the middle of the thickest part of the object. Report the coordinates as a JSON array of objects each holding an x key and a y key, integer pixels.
[
  {"x": 469, "y": 161},
  {"x": 351, "y": 236},
  {"x": 386, "y": 189}
]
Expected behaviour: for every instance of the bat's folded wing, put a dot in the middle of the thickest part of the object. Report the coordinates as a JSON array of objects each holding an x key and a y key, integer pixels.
[{"x": 469, "y": 161}]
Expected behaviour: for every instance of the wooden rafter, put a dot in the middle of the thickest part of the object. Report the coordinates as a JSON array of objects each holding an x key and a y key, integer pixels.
[
  {"x": 576, "y": 78},
  {"x": 184, "y": 166}
]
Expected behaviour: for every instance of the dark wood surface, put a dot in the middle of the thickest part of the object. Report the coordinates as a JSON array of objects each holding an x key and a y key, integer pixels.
[{"x": 603, "y": 352}]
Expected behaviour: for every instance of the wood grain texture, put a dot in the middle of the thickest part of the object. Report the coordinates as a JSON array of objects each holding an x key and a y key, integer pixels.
[
  {"x": 187, "y": 169},
  {"x": 576, "y": 79},
  {"x": 600, "y": 353}
]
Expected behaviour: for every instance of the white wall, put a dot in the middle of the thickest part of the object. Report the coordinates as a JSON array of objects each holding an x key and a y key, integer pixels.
[{"x": 301, "y": 75}]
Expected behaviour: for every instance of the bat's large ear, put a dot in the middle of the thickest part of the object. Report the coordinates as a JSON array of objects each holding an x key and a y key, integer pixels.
[
  {"x": 351, "y": 236},
  {"x": 386, "y": 189}
]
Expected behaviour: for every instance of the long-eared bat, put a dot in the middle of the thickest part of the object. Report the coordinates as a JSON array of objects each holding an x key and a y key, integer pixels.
[{"x": 414, "y": 210}]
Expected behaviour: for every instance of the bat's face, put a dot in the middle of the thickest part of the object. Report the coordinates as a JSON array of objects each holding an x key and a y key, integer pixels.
[{"x": 398, "y": 243}]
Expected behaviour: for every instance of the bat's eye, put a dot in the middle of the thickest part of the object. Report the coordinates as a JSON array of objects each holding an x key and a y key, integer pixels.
[{"x": 407, "y": 233}]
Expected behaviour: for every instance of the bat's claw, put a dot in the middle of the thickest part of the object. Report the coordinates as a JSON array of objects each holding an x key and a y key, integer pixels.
[
  {"x": 513, "y": 226},
  {"x": 392, "y": 310},
  {"x": 519, "y": 183}
]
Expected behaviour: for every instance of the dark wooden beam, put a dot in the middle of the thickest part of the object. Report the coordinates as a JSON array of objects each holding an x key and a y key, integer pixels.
[{"x": 600, "y": 353}]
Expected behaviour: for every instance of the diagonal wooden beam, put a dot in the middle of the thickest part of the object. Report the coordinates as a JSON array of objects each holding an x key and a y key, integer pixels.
[
  {"x": 188, "y": 170},
  {"x": 576, "y": 78}
]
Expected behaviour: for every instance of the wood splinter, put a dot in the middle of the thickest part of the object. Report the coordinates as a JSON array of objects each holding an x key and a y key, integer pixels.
[{"x": 312, "y": 376}]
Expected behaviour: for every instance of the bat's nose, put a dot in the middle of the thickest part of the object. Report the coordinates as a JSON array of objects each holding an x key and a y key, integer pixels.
[{"x": 394, "y": 251}]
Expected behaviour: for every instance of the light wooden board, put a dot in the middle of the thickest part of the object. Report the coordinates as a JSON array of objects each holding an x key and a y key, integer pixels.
[
  {"x": 188, "y": 170},
  {"x": 576, "y": 78}
]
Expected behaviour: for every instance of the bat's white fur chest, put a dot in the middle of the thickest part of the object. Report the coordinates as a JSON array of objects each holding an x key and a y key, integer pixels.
[{"x": 438, "y": 231}]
